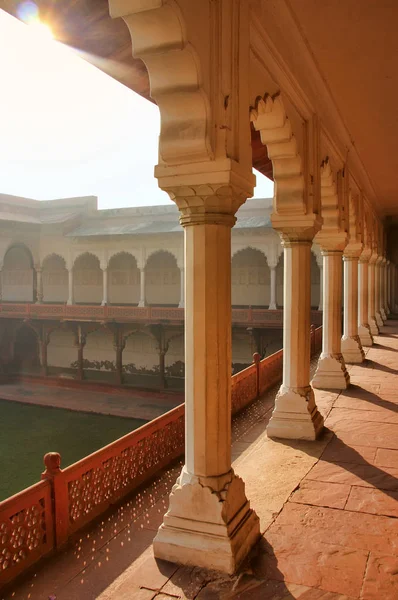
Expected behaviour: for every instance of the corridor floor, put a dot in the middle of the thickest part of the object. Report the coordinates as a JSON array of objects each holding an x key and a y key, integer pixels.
[{"x": 328, "y": 511}]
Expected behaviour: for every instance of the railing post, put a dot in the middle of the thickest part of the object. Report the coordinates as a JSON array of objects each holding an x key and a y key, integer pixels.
[
  {"x": 250, "y": 315},
  {"x": 59, "y": 493},
  {"x": 256, "y": 360}
]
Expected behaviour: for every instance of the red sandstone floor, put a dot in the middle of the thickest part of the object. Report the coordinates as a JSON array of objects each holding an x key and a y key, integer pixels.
[
  {"x": 137, "y": 404},
  {"x": 328, "y": 512}
]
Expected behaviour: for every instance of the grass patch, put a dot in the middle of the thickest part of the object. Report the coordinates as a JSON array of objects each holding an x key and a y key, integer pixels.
[{"x": 28, "y": 432}]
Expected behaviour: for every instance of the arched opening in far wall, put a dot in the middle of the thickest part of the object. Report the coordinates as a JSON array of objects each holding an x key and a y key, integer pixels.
[
  {"x": 87, "y": 279},
  {"x": 162, "y": 279},
  {"x": 26, "y": 351},
  {"x": 54, "y": 279},
  {"x": 123, "y": 279},
  {"x": 250, "y": 279},
  {"x": 18, "y": 275}
]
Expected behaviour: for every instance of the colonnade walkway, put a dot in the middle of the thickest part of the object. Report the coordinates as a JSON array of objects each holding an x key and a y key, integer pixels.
[{"x": 328, "y": 511}]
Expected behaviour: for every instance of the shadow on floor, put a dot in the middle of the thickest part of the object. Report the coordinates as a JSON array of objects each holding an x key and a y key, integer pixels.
[{"x": 371, "y": 397}]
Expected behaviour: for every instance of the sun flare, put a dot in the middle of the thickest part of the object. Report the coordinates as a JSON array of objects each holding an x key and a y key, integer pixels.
[{"x": 42, "y": 30}]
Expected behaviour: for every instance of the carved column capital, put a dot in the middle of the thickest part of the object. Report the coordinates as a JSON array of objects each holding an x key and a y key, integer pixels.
[
  {"x": 296, "y": 228},
  {"x": 207, "y": 193},
  {"x": 365, "y": 255}
]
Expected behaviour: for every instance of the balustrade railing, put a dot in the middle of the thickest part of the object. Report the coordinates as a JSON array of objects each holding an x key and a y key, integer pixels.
[
  {"x": 40, "y": 519},
  {"x": 95, "y": 312}
]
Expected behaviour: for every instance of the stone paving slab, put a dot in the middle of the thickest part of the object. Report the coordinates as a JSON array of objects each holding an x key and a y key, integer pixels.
[
  {"x": 137, "y": 404},
  {"x": 328, "y": 511}
]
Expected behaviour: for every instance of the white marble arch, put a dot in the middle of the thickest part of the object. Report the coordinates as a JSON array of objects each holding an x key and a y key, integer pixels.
[
  {"x": 162, "y": 278},
  {"x": 18, "y": 274},
  {"x": 250, "y": 277},
  {"x": 123, "y": 278},
  {"x": 54, "y": 278},
  {"x": 87, "y": 279}
]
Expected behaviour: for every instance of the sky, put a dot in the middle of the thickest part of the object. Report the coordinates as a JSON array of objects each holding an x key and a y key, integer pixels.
[{"x": 67, "y": 129}]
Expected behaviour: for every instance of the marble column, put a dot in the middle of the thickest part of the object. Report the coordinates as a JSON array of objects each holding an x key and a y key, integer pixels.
[
  {"x": 81, "y": 342},
  {"x": 363, "y": 296},
  {"x": 381, "y": 289},
  {"x": 272, "y": 300},
  {"x": 39, "y": 287},
  {"x": 351, "y": 347},
  {"x": 320, "y": 265},
  {"x": 104, "y": 286},
  {"x": 387, "y": 287},
  {"x": 70, "y": 287},
  {"x": 182, "y": 287},
  {"x": 378, "y": 316},
  {"x": 119, "y": 347},
  {"x": 209, "y": 521},
  {"x": 295, "y": 415},
  {"x": 142, "y": 301},
  {"x": 331, "y": 370},
  {"x": 383, "y": 301},
  {"x": 374, "y": 329}
]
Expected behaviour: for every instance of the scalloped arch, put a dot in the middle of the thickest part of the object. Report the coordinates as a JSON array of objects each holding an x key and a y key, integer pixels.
[
  {"x": 161, "y": 251},
  {"x": 89, "y": 253},
  {"x": 329, "y": 198},
  {"x": 158, "y": 37},
  {"x": 113, "y": 256},
  {"x": 53, "y": 255},
  {"x": 248, "y": 247},
  {"x": 270, "y": 119}
]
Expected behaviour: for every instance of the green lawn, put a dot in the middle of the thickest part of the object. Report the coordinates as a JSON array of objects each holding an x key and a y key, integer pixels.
[{"x": 28, "y": 432}]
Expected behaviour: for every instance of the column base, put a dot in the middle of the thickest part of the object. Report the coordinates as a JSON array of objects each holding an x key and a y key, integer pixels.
[
  {"x": 379, "y": 320},
  {"x": 209, "y": 523},
  {"x": 331, "y": 373},
  {"x": 383, "y": 314},
  {"x": 181, "y": 305},
  {"x": 374, "y": 329},
  {"x": 104, "y": 303},
  {"x": 69, "y": 303},
  {"x": 272, "y": 307},
  {"x": 295, "y": 416},
  {"x": 141, "y": 304},
  {"x": 351, "y": 349},
  {"x": 365, "y": 336}
]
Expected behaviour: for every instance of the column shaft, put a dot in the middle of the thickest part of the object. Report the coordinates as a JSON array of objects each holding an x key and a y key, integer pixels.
[
  {"x": 142, "y": 301},
  {"x": 272, "y": 300},
  {"x": 119, "y": 363},
  {"x": 209, "y": 520},
  {"x": 39, "y": 287},
  {"x": 374, "y": 329},
  {"x": 70, "y": 287},
  {"x": 386, "y": 288},
  {"x": 363, "y": 322},
  {"x": 104, "y": 287},
  {"x": 295, "y": 415},
  {"x": 379, "y": 319},
  {"x": 43, "y": 356},
  {"x": 331, "y": 371},
  {"x": 320, "y": 307},
  {"x": 351, "y": 347}
]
